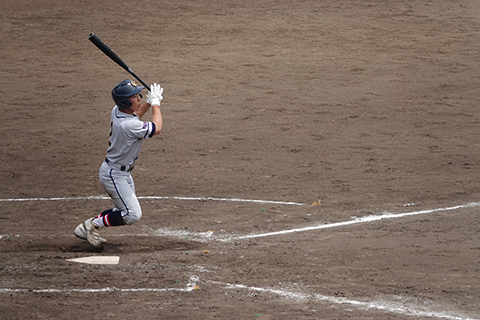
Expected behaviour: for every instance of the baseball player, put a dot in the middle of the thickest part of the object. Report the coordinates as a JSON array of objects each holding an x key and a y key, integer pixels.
[{"x": 127, "y": 133}]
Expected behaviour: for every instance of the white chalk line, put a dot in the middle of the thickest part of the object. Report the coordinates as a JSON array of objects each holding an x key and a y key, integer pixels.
[
  {"x": 108, "y": 289},
  {"x": 381, "y": 305},
  {"x": 191, "y": 285},
  {"x": 157, "y": 198},
  {"x": 387, "y": 215},
  {"x": 208, "y": 236}
]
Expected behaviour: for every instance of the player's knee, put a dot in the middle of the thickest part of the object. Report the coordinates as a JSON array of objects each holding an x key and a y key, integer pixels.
[{"x": 132, "y": 217}]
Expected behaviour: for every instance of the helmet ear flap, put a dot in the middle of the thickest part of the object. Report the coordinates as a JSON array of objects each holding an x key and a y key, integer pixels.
[{"x": 124, "y": 103}]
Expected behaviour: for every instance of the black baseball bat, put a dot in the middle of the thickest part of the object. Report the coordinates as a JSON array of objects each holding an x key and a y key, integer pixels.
[{"x": 112, "y": 55}]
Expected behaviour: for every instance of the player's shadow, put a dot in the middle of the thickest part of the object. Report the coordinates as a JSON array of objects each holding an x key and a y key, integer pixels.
[
  {"x": 81, "y": 246},
  {"x": 132, "y": 245}
]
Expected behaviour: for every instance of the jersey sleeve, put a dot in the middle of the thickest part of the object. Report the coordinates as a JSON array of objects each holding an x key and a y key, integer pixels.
[{"x": 139, "y": 129}]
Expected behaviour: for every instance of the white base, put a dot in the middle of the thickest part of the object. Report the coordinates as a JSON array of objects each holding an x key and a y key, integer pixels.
[{"x": 97, "y": 260}]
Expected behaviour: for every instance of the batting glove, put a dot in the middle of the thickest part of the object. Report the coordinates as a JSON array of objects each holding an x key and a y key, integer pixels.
[{"x": 155, "y": 95}]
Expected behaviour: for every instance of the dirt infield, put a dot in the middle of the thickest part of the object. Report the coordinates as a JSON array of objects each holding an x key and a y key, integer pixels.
[{"x": 290, "y": 128}]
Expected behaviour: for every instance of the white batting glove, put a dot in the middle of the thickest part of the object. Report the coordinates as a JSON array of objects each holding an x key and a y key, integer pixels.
[{"x": 155, "y": 95}]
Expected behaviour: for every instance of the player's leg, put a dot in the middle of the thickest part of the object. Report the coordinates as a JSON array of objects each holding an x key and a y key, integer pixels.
[
  {"x": 81, "y": 230},
  {"x": 121, "y": 188}
]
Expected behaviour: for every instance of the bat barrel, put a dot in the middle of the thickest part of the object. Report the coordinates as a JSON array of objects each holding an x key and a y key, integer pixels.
[{"x": 96, "y": 40}]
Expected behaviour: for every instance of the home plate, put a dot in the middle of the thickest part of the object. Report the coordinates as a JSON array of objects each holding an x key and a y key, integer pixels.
[{"x": 97, "y": 260}]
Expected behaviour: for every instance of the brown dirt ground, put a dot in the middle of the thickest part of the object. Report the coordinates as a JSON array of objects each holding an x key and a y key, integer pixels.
[{"x": 363, "y": 106}]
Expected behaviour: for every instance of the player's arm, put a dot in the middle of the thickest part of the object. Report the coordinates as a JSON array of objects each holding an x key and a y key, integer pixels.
[{"x": 157, "y": 119}]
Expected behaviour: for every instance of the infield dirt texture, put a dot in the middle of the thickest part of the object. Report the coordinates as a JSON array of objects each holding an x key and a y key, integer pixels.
[{"x": 341, "y": 111}]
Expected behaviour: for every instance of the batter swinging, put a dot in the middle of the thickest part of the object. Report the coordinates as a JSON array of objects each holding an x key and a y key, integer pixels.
[{"x": 127, "y": 133}]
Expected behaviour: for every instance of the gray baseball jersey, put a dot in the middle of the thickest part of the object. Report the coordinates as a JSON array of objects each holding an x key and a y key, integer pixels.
[{"x": 127, "y": 133}]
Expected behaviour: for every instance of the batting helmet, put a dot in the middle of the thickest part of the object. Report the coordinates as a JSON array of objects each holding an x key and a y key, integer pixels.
[{"x": 123, "y": 91}]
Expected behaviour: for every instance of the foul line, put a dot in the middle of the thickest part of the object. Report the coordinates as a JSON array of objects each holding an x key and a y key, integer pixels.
[
  {"x": 210, "y": 235},
  {"x": 157, "y": 198},
  {"x": 386, "y": 215},
  {"x": 381, "y": 305}
]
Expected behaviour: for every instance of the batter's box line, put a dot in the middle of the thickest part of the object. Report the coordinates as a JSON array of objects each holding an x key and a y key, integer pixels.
[
  {"x": 191, "y": 285},
  {"x": 158, "y": 198}
]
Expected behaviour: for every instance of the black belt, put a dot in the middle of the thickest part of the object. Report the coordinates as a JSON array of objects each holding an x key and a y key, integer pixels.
[{"x": 121, "y": 167}]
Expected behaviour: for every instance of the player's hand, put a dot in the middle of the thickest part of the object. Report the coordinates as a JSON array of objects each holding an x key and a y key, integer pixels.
[{"x": 155, "y": 95}]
